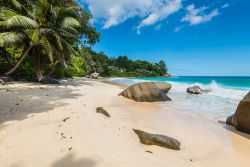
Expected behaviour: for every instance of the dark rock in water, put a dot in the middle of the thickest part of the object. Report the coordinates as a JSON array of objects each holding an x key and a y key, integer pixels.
[
  {"x": 164, "y": 86},
  {"x": 49, "y": 80},
  {"x": 145, "y": 92},
  {"x": 196, "y": 90},
  {"x": 102, "y": 111},
  {"x": 159, "y": 140},
  {"x": 241, "y": 118}
]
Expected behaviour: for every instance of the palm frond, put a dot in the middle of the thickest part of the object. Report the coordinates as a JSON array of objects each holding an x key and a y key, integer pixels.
[
  {"x": 9, "y": 38},
  {"x": 13, "y": 20},
  {"x": 70, "y": 22}
]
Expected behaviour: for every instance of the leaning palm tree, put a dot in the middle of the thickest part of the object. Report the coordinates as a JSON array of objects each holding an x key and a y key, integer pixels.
[{"x": 47, "y": 29}]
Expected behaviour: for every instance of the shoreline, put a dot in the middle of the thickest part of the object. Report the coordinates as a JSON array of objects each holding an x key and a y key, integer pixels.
[{"x": 31, "y": 125}]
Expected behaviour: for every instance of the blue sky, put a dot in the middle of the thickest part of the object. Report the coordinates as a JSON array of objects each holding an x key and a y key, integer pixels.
[{"x": 194, "y": 37}]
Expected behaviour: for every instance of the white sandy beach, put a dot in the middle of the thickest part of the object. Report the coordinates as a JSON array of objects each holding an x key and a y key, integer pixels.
[{"x": 33, "y": 132}]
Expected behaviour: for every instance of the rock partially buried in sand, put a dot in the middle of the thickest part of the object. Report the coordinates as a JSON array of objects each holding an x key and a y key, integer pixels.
[
  {"x": 159, "y": 140},
  {"x": 196, "y": 90},
  {"x": 49, "y": 80},
  {"x": 241, "y": 118},
  {"x": 102, "y": 111},
  {"x": 146, "y": 92}
]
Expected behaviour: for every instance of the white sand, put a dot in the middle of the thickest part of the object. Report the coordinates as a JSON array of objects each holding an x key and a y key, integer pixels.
[{"x": 32, "y": 133}]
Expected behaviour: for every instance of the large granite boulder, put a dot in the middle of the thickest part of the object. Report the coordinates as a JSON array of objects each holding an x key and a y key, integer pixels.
[
  {"x": 159, "y": 140},
  {"x": 49, "y": 80},
  {"x": 241, "y": 118},
  {"x": 196, "y": 90},
  {"x": 145, "y": 92},
  {"x": 163, "y": 86}
]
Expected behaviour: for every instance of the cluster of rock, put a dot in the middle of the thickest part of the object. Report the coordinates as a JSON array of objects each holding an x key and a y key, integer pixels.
[
  {"x": 151, "y": 92},
  {"x": 241, "y": 119},
  {"x": 147, "y": 92}
]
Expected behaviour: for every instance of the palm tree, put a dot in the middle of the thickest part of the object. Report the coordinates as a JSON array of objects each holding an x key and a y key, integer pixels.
[{"x": 47, "y": 30}]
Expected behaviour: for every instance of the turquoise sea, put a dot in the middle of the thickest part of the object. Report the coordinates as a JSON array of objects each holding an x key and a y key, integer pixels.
[{"x": 222, "y": 101}]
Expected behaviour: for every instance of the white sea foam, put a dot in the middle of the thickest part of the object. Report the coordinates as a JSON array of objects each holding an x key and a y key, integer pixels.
[{"x": 219, "y": 103}]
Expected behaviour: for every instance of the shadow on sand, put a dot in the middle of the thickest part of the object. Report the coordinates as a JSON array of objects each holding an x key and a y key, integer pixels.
[
  {"x": 19, "y": 102},
  {"x": 70, "y": 161},
  {"x": 234, "y": 130}
]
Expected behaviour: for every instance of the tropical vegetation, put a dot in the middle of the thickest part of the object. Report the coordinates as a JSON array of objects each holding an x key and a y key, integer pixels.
[{"x": 54, "y": 38}]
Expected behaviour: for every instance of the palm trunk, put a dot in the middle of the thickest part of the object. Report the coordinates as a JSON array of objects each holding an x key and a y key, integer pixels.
[
  {"x": 39, "y": 74},
  {"x": 20, "y": 60}
]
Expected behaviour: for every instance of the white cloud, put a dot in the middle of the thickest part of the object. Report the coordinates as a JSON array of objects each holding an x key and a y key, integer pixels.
[
  {"x": 164, "y": 9},
  {"x": 197, "y": 16},
  {"x": 226, "y": 5},
  {"x": 177, "y": 29},
  {"x": 114, "y": 12},
  {"x": 110, "y": 13}
]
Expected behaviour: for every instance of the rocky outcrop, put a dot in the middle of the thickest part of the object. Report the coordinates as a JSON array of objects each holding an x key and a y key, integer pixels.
[
  {"x": 164, "y": 86},
  {"x": 241, "y": 118},
  {"x": 159, "y": 140},
  {"x": 49, "y": 80},
  {"x": 196, "y": 90},
  {"x": 168, "y": 75},
  {"x": 145, "y": 92},
  {"x": 94, "y": 75},
  {"x": 102, "y": 111}
]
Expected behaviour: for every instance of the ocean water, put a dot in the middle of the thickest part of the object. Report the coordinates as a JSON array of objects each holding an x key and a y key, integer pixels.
[{"x": 221, "y": 102}]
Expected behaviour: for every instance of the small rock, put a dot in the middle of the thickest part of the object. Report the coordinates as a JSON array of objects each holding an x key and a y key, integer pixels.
[
  {"x": 159, "y": 140},
  {"x": 65, "y": 119},
  {"x": 49, "y": 80},
  {"x": 102, "y": 111},
  {"x": 94, "y": 75},
  {"x": 196, "y": 90},
  {"x": 149, "y": 152}
]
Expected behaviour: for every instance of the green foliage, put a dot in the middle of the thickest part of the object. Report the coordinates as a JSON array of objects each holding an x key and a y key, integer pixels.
[
  {"x": 43, "y": 38},
  {"x": 76, "y": 68},
  {"x": 121, "y": 66},
  {"x": 26, "y": 69},
  {"x": 49, "y": 30}
]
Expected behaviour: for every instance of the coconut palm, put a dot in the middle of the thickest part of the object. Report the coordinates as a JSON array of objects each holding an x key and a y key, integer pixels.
[{"x": 46, "y": 29}]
